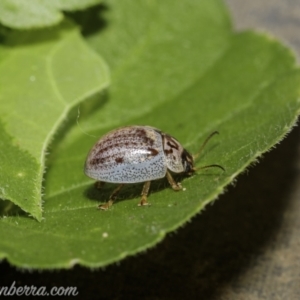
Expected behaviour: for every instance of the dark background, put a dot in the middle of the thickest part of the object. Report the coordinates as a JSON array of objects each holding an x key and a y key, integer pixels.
[{"x": 244, "y": 246}]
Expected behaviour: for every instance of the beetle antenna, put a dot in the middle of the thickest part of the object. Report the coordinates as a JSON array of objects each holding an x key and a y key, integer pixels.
[
  {"x": 195, "y": 156},
  {"x": 209, "y": 166}
]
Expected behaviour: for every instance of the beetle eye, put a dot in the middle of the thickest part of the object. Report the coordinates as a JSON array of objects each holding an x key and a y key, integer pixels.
[
  {"x": 187, "y": 162},
  {"x": 187, "y": 167}
]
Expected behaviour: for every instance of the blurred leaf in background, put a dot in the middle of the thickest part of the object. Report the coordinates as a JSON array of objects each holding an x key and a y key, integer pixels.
[{"x": 32, "y": 14}]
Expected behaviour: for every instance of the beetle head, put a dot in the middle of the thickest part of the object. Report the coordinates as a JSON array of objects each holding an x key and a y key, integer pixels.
[{"x": 187, "y": 162}]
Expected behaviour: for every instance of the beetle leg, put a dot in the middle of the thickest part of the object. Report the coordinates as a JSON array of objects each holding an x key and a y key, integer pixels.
[
  {"x": 112, "y": 197},
  {"x": 144, "y": 194},
  {"x": 175, "y": 186},
  {"x": 99, "y": 184}
]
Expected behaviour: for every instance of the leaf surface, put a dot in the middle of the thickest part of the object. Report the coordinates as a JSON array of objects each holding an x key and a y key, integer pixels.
[
  {"x": 42, "y": 78},
  {"x": 179, "y": 67}
]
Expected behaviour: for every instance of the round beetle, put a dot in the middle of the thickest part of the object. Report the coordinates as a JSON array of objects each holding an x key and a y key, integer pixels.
[{"x": 135, "y": 154}]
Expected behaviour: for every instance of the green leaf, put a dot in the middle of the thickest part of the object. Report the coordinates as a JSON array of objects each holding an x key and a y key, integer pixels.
[
  {"x": 20, "y": 14},
  {"x": 41, "y": 79},
  {"x": 179, "y": 67}
]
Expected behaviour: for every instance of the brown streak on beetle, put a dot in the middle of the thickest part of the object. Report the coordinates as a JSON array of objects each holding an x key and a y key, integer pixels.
[
  {"x": 119, "y": 160},
  {"x": 153, "y": 151}
]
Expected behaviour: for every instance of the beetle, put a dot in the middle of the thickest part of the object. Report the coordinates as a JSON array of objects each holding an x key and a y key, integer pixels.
[{"x": 135, "y": 154}]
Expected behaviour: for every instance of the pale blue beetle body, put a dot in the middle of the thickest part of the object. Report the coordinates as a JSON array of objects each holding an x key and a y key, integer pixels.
[
  {"x": 135, "y": 154},
  {"x": 128, "y": 155}
]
